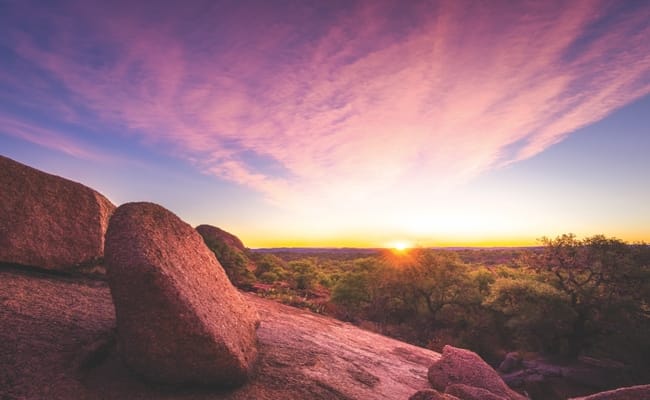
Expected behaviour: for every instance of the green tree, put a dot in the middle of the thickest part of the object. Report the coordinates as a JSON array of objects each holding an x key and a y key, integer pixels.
[
  {"x": 268, "y": 277},
  {"x": 235, "y": 263},
  {"x": 439, "y": 279},
  {"x": 361, "y": 291},
  {"x": 270, "y": 268},
  {"x": 602, "y": 279},
  {"x": 304, "y": 273},
  {"x": 352, "y": 291},
  {"x": 536, "y": 313}
]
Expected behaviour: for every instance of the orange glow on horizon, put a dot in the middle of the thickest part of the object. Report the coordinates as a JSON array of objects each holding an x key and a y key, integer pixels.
[
  {"x": 368, "y": 241},
  {"x": 400, "y": 246},
  {"x": 377, "y": 239}
]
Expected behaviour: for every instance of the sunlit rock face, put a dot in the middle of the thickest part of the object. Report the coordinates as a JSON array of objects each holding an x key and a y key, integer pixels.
[
  {"x": 179, "y": 319},
  {"x": 49, "y": 222}
]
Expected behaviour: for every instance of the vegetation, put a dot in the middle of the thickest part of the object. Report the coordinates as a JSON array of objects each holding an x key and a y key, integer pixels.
[
  {"x": 568, "y": 298},
  {"x": 236, "y": 263}
]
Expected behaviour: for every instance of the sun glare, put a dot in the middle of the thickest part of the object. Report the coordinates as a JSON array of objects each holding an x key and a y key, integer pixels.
[{"x": 400, "y": 246}]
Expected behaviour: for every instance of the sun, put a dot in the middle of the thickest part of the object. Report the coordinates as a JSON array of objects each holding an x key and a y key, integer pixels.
[{"x": 400, "y": 246}]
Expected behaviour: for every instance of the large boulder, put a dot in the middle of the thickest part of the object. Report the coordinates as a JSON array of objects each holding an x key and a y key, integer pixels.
[
  {"x": 179, "y": 320},
  {"x": 628, "y": 393},
  {"x": 466, "y": 367},
  {"x": 49, "y": 222}
]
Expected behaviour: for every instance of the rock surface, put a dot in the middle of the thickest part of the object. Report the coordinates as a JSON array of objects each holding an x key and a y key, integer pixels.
[
  {"x": 640, "y": 392},
  {"x": 179, "y": 320},
  {"x": 49, "y": 222},
  {"x": 212, "y": 233},
  {"x": 53, "y": 345},
  {"x": 50, "y": 328},
  {"x": 430, "y": 394},
  {"x": 466, "y": 392},
  {"x": 466, "y": 367}
]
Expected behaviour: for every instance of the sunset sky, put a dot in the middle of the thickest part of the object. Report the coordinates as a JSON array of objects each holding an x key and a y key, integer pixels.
[{"x": 342, "y": 123}]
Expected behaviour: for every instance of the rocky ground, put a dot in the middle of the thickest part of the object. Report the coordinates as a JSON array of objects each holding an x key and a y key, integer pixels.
[{"x": 57, "y": 342}]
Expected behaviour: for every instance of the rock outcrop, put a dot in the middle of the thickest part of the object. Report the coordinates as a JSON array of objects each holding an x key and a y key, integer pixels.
[
  {"x": 55, "y": 344},
  {"x": 466, "y": 367},
  {"x": 231, "y": 253},
  {"x": 179, "y": 320},
  {"x": 49, "y": 222},
  {"x": 213, "y": 234},
  {"x": 640, "y": 392}
]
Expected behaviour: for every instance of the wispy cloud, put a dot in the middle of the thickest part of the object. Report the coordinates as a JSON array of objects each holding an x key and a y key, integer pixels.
[
  {"x": 344, "y": 104},
  {"x": 49, "y": 138}
]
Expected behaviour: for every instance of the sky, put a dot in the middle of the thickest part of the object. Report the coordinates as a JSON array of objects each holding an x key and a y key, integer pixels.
[{"x": 342, "y": 123}]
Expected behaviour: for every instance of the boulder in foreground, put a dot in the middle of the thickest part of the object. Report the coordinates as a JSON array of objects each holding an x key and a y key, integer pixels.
[
  {"x": 466, "y": 367},
  {"x": 49, "y": 222},
  {"x": 179, "y": 320}
]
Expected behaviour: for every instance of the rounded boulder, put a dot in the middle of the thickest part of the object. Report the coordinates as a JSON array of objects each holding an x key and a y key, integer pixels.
[
  {"x": 466, "y": 367},
  {"x": 179, "y": 319},
  {"x": 49, "y": 222}
]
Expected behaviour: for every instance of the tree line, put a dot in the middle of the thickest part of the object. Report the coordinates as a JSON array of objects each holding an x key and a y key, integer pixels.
[{"x": 568, "y": 297}]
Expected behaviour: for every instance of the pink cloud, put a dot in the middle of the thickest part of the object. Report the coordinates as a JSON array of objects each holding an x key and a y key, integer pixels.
[
  {"x": 359, "y": 106},
  {"x": 49, "y": 138}
]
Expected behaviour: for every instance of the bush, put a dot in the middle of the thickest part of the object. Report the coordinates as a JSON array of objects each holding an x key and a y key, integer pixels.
[
  {"x": 268, "y": 277},
  {"x": 235, "y": 263},
  {"x": 304, "y": 274},
  {"x": 537, "y": 314}
]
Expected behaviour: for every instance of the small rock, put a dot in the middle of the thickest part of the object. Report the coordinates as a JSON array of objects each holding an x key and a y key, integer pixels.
[
  {"x": 179, "y": 320},
  {"x": 511, "y": 362},
  {"x": 466, "y": 392},
  {"x": 466, "y": 367},
  {"x": 544, "y": 368},
  {"x": 516, "y": 378}
]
